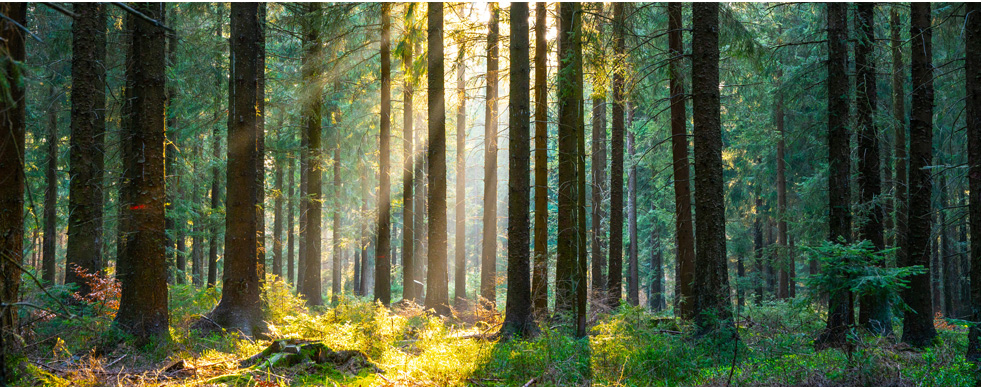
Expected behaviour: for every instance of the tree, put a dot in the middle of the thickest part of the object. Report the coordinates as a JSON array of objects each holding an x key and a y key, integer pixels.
[
  {"x": 633, "y": 284},
  {"x": 712, "y": 307},
  {"x": 786, "y": 260},
  {"x": 539, "y": 282},
  {"x": 615, "y": 278},
  {"x": 310, "y": 288},
  {"x": 290, "y": 263},
  {"x": 488, "y": 254},
  {"x": 685, "y": 269},
  {"x": 567, "y": 278},
  {"x": 49, "y": 268},
  {"x": 518, "y": 318},
  {"x": 873, "y": 309},
  {"x": 383, "y": 264},
  {"x": 239, "y": 308},
  {"x": 460, "y": 244},
  {"x": 408, "y": 172},
  {"x": 599, "y": 186},
  {"x": 86, "y": 154},
  {"x": 972, "y": 67},
  {"x": 141, "y": 266},
  {"x": 12, "y": 128},
  {"x": 277, "y": 268},
  {"x": 437, "y": 290},
  {"x": 215, "y": 171},
  {"x": 335, "y": 279},
  {"x": 918, "y": 329}
]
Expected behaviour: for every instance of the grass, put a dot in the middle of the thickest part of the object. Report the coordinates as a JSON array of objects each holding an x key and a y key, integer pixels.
[{"x": 627, "y": 347}]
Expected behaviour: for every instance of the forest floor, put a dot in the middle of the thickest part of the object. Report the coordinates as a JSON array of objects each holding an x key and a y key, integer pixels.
[{"x": 404, "y": 346}]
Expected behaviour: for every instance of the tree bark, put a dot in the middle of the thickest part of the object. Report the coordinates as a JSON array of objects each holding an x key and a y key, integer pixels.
[
  {"x": 86, "y": 155},
  {"x": 599, "y": 186},
  {"x": 684, "y": 234},
  {"x": 49, "y": 264},
  {"x": 633, "y": 284},
  {"x": 215, "y": 173},
  {"x": 784, "y": 259},
  {"x": 290, "y": 231},
  {"x": 408, "y": 172},
  {"x": 311, "y": 287},
  {"x": 488, "y": 255},
  {"x": 437, "y": 289},
  {"x": 277, "y": 266},
  {"x": 712, "y": 307},
  {"x": 972, "y": 67},
  {"x": 383, "y": 264},
  {"x": 615, "y": 278},
  {"x": 335, "y": 272},
  {"x": 518, "y": 318},
  {"x": 12, "y": 128},
  {"x": 460, "y": 234},
  {"x": 141, "y": 265},
  {"x": 539, "y": 285},
  {"x": 918, "y": 329}
]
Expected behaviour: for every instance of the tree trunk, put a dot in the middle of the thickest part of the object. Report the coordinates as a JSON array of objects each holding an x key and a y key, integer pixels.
[
  {"x": 518, "y": 318},
  {"x": 633, "y": 272},
  {"x": 972, "y": 67},
  {"x": 142, "y": 263},
  {"x": 290, "y": 215},
  {"x": 899, "y": 122},
  {"x": 408, "y": 172},
  {"x": 570, "y": 97},
  {"x": 712, "y": 307},
  {"x": 437, "y": 289},
  {"x": 460, "y": 234},
  {"x": 918, "y": 327},
  {"x": 260, "y": 187},
  {"x": 277, "y": 268},
  {"x": 215, "y": 173},
  {"x": 758, "y": 254},
  {"x": 49, "y": 264},
  {"x": 335, "y": 277},
  {"x": 539, "y": 280},
  {"x": 684, "y": 235},
  {"x": 383, "y": 264},
  {"x": 12, "y": 128},
  {"x": 599, "y": 186},
  {"x": 840, "y": 311},
  {"x": 785, "y": 260},
  {"x": 86, "y": 155},
  {"x": 488, "y": 255},
  {"x": 615, "y": 277},
  {"x": 311, "y": 287}
]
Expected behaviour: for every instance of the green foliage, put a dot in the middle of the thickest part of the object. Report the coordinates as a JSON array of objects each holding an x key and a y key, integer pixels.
[{"x": 858, "y": 268}]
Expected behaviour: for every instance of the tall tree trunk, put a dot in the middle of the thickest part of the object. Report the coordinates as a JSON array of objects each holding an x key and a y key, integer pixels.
[
  {"x": 786, "y": 261},
  {"x": 215, "y": 173},
  {"x": 260, "y": 187},
  {"x": 239, "y": 308},
  {"x": 437, "y": 290},
  {"x": 408, "y": 172},
  {"x": 918, "y": 327},
  {"x": 518, "y": 318},
  {"x": 684, "y": 234},
  {"x": 615, "y": 277},
  {"x": 972, "y": 66},
  {"x": 290, "y": 231},
  {"x": 383, "y": 264},
  {"x": 948, "y": 279},
  {"x": 12, "y": 128},
  {"x": 758, "y": 253},
  {"x": 335, "y": 277},
  {"x": 599, "y": 183},
  {"x": 421, "y": 201},
  {"x": 311, "y": 287},
  {"x": 873, "y": 309},
  {"x": 142, "y": 263},
  {"x": 712, "y": 307},
  {"x": 49, "y": 263},
  {"x": 840, "y": 311},
  {"x": 86, "y": 155},
  {"x": 569, "y": 97},
  {"x": 488, "y": 254},
  {"x": 633, "y": 283},
  {"x": 539, "y": 282},
  {"x": 277, "y": 269},
  {"x": 899, "y": 122},
  {"x": 460, "y": 234}
]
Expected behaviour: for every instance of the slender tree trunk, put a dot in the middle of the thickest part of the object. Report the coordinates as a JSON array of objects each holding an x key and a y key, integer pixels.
[
  {"x": 460, "y": 235},
  {"x": 383, "y": 264},
  {"x": 142, "y": 263},
  {"x": 49, "y": 264},
  {"x": 215, "y": 171},
  {"x": 712, "y": 307},
  {"x": 615, "y": 278},
  {"x": 86, "y": 155},
  {"x": 12, "y": 128},
  {"x": 437, "y": 289},
  {"x": 260, "y": 187},
  {"x": 786, "y": 261},
  {"x": 655, "y": 296},
  {"x": 408, "y": 172},
  {"x": 918, "y": 327},
  {"x": 899, "y": 122},
  {"x": 599, "y": 183},
  {"x": 948, "y": 280},
  {"x": 684, "y": 234},
  {"x": 290, "y": 231},
  {"x": 311, "y": 287},
  {"x": 335, "y": 278},
  {"x": 758, "y": 255},
  {"x": 972, "y": 67},
  {"x": 488, "y": 255},
  {"x": 570, "y": 97},
  {"x": 633, "y": 283},
  {"x": 539, "y": 282},
  {"x": 419, "y": 215},
  {"x": 518, "y": 317},
  {"x": 840, "y": 311},
  {"x": 277, "y": 268}
]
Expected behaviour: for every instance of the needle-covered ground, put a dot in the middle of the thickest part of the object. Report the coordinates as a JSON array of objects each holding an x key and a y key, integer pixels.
[{"x": 404, "y": 346}]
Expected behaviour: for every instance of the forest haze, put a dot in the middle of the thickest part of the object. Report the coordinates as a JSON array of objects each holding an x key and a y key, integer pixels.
[{"x": 490, "y": 194}]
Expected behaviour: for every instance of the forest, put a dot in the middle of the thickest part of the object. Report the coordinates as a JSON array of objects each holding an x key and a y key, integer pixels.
[{"x": 490, "y": 194}]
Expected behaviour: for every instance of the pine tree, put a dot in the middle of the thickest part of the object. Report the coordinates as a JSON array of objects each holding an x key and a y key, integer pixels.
[
  {"x": 383, "y": 264},
  {"x": 488, "y": 254},
  {"x": 437, "y": 290},
  {"x": 685, "y": 269}
]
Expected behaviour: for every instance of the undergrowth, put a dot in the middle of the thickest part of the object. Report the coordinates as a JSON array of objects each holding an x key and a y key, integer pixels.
[{"x": 626, "y": 347}]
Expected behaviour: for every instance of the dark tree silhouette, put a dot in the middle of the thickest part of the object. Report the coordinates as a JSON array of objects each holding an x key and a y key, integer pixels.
[
  {"x": 488, "y": 254},
  {"x": 437, "y": 290},
  {"x": 460, "y": 244},
  {"x": 141, "y": 266},
  {"x": 614, "y": 283},
  {"x": 215, "y": 171},
  {"x": 685, "y": 268},
  {"x": 49, "y": 245},
  {"x": 599, "y": 184},
  {"x": 383, "y": 264},
  {"x": 408, "y": 172},
  {"x": 539, "y": 282},
  {"x": 972, "y": 67}
]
